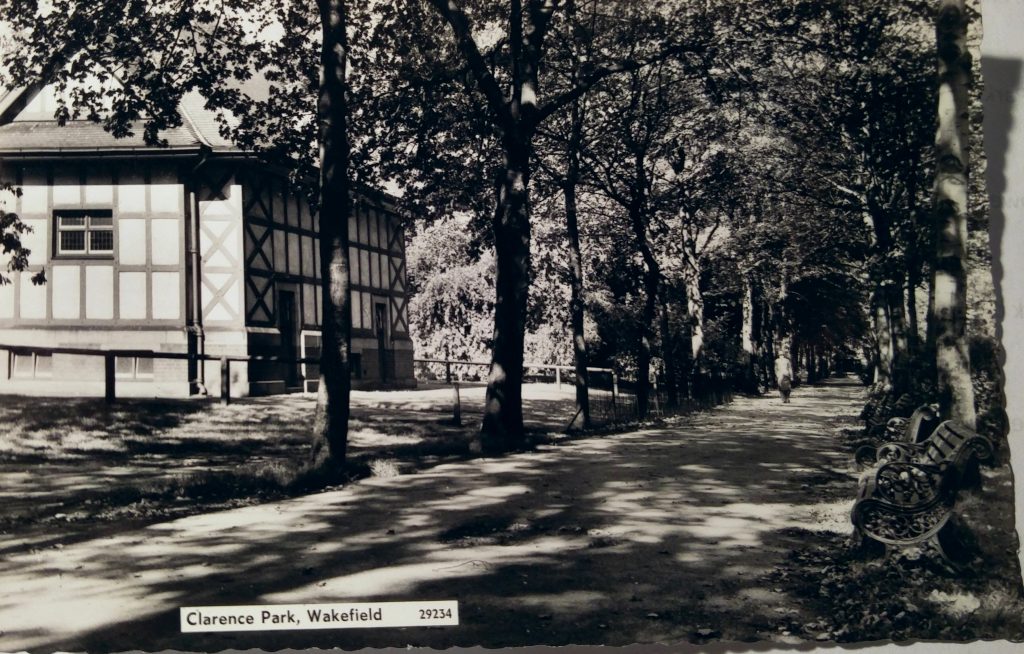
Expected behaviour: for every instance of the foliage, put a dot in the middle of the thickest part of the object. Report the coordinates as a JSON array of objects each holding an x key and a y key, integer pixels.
[
  {"x": 452, "y": 307},
  {"x": 11, "y": 231}
]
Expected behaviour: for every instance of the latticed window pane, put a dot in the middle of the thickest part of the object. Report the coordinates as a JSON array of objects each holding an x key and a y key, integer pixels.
[
  {"x": 101, "y": 241},
  {"x": 85, "y": 232},
  {"x": 72, "y": 221},
  {"x": 73, "y": 241}
]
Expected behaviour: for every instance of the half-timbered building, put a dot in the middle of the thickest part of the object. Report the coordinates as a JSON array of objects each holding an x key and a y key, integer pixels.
[{"x": 193, "y": 247}]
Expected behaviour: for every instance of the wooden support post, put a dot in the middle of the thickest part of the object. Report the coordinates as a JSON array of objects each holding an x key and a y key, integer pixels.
[
  {"x": 456, "y": 406},
  {"x": 558, "y": 377},
  {"x": 109, "y": 390},
  {"x": 225, "y": 381},
  {"x": 615, "y": 392},
  {"x": 447, "y": 371}
]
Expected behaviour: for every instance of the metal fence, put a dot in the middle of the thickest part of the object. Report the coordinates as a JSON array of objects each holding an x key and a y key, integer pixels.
[
  {"x": 110, "y": 362},
  {"x": 612, "y": 400}
]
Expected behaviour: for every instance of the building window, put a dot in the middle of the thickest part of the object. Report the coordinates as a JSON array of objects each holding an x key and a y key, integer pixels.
[
  {"x": 30, "y": 366},
  {"x": 133, "y": 368},
  {"x": 88, "y": 232}
]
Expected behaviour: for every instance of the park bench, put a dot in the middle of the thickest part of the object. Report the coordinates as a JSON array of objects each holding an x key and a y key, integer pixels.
[
  {"x": 878, "y": 413},
  {"x": 914, "y": 429},
  {"x": 911, "y": 495}
]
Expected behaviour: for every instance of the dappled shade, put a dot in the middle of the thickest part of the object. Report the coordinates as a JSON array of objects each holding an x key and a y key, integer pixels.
[{"x": 641, "y": 536}]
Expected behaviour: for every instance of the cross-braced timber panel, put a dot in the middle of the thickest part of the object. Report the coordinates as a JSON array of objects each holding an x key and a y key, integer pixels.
[{"x": 221, "y": 248}]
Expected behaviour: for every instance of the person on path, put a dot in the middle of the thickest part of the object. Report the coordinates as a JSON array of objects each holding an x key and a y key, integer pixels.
[{"x": 784, "y": 373}]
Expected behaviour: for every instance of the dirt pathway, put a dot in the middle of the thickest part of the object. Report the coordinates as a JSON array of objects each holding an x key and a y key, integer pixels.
[{"x": 658, "y": 535}]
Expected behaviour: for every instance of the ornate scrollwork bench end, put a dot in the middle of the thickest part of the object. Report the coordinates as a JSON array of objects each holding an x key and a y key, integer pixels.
[{"x": 911, "y": 495}]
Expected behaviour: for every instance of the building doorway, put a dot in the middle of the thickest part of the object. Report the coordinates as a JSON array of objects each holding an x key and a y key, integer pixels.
[
  {"x": 287, "y": 324},
  {"x": 380, "y": 318}
]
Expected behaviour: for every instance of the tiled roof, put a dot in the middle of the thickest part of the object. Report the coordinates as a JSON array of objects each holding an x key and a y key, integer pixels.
[
  {"x": 203, "y": 122},
  {"x": 199, "y": 128},
  {"x": 82, "y": 135}
]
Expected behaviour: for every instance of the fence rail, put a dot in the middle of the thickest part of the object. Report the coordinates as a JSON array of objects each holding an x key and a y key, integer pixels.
[
  {"x": 110, "y": 356},
  {"x": 609, "y": 403},
  {"x": 556, "y": 368}
]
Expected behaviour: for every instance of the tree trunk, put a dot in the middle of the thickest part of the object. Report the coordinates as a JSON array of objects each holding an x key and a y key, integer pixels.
[
  {"x": 694, "y": 307},
  {"x": 766, "y": 341},
  {"x": 502, "y": 428},
  {"x": 896, "y": 311},
  {"x": 949, "y": 305},
  {"x": 652, "y": 279},
  {"x": 643, "y": 373},
  {"x": 913, "y": 327},
  {"x": 330, "y": 424},
  {"x": 576, "y": 301},
  {"x": 668, "y": 352},
  {"x": 748, "y": 352},
  {"x": 883, "y": 341}
]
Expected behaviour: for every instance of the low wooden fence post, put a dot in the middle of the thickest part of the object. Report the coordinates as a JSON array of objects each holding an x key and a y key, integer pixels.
[
  {"x": 225, "y": 381},
  {"x": 615, "y": 392},
  {"x": 447, "y": 371},
  {"x": 456, "y": 406},
  {"x": 558, "y": 377},
  {"x": 109, "y": 368}
]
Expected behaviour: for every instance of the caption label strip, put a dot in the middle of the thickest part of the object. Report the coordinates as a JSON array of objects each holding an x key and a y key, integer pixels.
[{"x": 196, "y": 619}]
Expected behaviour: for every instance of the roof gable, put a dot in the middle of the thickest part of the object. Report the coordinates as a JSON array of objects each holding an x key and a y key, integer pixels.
[{"x": 28, "y": 126}]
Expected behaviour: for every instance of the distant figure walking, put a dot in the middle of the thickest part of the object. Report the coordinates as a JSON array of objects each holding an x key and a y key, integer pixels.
[{"x": 784, "y": 373}]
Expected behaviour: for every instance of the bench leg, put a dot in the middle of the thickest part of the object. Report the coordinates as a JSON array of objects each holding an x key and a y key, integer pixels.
[
  {"x": 866, "y": 546},
  {"x": 954, "y": 544},
  {"x": 950, "y": 562}
]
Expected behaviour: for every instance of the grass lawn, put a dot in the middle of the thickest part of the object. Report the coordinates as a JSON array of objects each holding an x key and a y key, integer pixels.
[{"x": 77, "y": 462}]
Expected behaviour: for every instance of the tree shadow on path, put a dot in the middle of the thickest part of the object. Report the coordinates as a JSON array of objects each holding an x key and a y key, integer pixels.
[{"x": 647, "y": 536}]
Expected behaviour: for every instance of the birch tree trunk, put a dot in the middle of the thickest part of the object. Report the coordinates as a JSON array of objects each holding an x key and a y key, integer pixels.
[
  {"x": 883, "y": 341},
  {"x": 330, "y": 424},
  {"x": 900, "y": 344},
  {"x": 949, "y": 302},
  {"x": 747, "y": 343},
  {"x": 694, "y": 306}
]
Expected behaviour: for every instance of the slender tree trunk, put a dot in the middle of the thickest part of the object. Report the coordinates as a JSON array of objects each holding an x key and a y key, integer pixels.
[
  {"x": 748, "y": 353},
  {"x": 652, "y": 279},
  {"x": 883, "y": 340},
  {"x": 766, "y": 340},
  {"x": 695, "y": 306},
  {"x": 668, "y": 351},
  {"x": 643, "y": 389},
  {"x": 330, "y": 424},
  {"x": 913, "y": 326},
  {"x": 894, "y": 305},
  {"x": 576, "y": 301},
  {"x": 949, "y": 306},
  {"x": 913, "y": 268}
]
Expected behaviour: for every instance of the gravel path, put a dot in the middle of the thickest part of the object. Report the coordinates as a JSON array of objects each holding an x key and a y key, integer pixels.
[{"x": 661, "y": 535}]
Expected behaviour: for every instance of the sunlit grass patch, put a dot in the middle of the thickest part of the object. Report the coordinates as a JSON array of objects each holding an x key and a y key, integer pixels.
[{"x": 384, "y": 468}]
